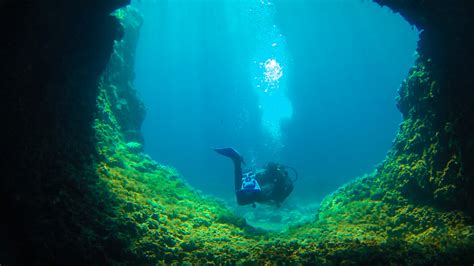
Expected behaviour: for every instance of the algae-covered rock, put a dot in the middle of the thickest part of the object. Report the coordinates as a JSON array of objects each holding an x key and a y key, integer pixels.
[{"x": 134, "y": 147}]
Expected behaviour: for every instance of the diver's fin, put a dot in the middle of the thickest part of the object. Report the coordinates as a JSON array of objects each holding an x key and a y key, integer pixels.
[{"x": 231, "y": 153}]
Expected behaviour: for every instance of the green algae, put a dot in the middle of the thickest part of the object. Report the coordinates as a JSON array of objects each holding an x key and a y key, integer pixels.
[{"x": 388, "y": 216}]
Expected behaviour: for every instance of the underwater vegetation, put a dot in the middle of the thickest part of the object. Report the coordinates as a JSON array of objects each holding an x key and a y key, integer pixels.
[{"x": 76, "y": 194}]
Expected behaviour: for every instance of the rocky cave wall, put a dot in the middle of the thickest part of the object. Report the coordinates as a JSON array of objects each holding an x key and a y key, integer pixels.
[
  {"x": 418, "y": 203},
  {"x": 435, "y": 140},
  {"x": 52, "y": 53},
  {"x": 119, "y": 76}
]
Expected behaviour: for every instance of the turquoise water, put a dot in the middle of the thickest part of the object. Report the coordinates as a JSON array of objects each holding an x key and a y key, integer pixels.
[{"x": 310, "y": 84}]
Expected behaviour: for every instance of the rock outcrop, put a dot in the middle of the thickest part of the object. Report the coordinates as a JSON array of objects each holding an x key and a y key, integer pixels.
[{"x": 53, "y": 53}]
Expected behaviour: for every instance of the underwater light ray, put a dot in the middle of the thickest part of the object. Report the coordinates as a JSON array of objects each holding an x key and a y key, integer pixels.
[{"x": 269, "y": 64}]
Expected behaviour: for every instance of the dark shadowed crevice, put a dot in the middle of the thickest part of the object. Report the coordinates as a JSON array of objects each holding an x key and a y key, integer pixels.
[{"x": 52, "y": 55}]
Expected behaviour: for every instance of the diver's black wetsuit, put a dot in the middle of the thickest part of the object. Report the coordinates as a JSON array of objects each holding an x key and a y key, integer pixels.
[{"x": 274, "y": 182}]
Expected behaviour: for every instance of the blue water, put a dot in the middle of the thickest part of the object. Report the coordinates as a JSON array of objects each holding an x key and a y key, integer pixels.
[{"x": 310, "y": 84}]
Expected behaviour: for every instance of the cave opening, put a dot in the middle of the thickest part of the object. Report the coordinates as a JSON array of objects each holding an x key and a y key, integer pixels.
[
  {"x": 78, "y": 187},
  {"x": 311, "y": 84}
]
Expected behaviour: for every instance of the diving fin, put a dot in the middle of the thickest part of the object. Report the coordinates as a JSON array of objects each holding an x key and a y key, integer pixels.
[{"x": 231, "y": 153}]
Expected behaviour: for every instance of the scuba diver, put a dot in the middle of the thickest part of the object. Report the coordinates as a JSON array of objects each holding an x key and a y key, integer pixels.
[{"x": 271, "y": 185}]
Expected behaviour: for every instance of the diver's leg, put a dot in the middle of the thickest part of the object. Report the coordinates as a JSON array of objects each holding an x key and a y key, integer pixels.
[
  {"x": 237, "y": 159},
  {"x": 243, "y": 198},
  {"x": 237, "y": 175}
]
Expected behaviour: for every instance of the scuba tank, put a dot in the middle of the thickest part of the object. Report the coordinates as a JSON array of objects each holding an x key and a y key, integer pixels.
[{"x": 276, "y": 183}]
